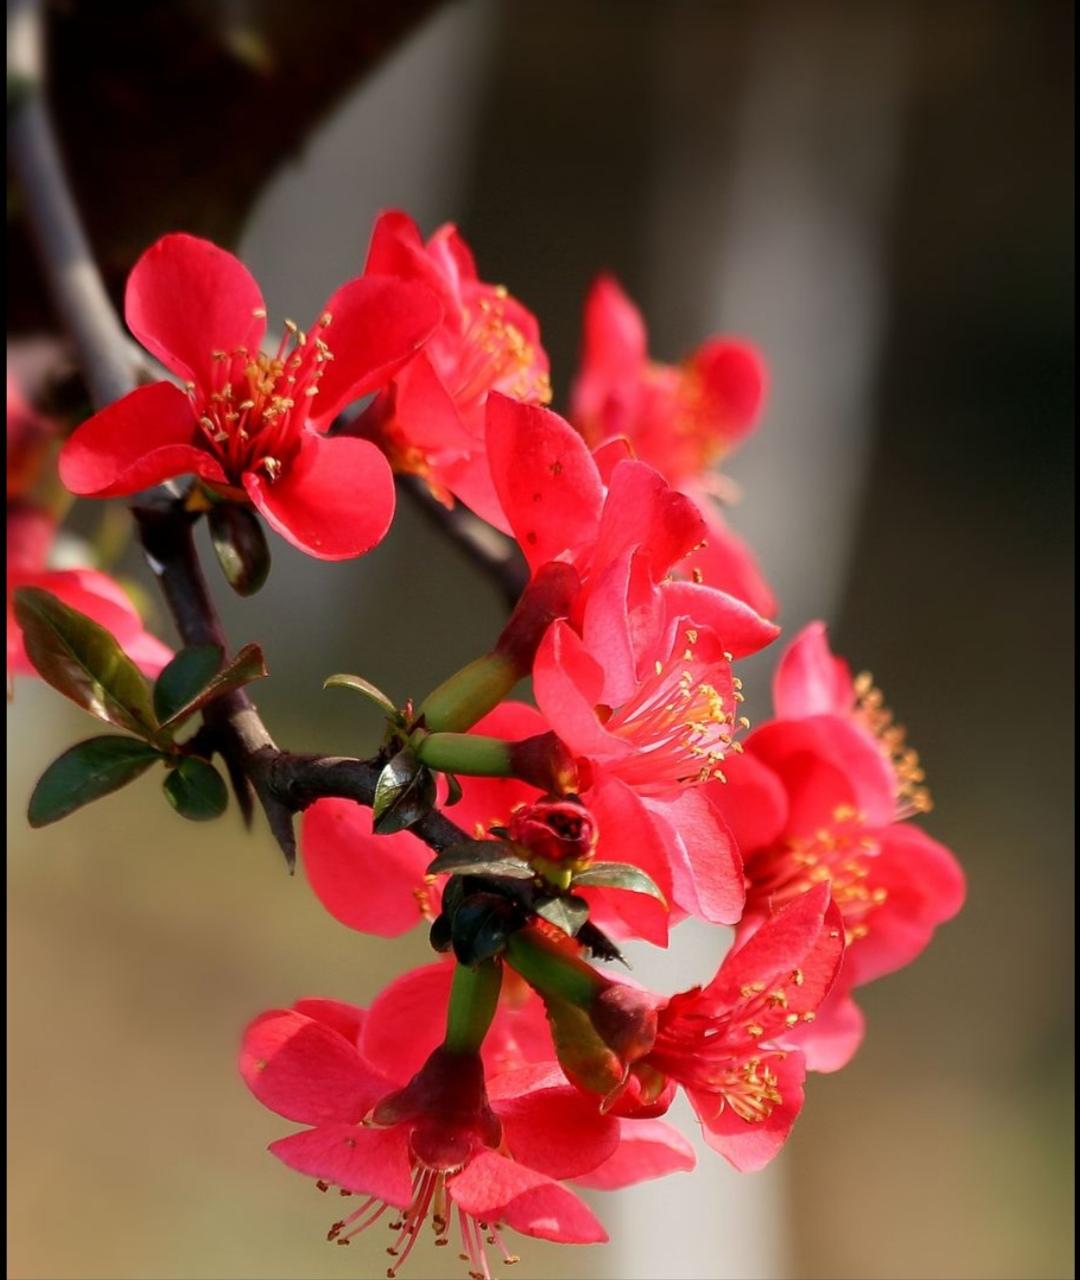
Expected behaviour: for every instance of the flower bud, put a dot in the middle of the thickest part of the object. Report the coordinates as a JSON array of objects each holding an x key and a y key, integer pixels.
[{"x": 559, "y": 831}]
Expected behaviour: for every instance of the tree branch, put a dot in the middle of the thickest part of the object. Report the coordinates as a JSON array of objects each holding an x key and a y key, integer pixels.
[
  {"x": 491, "y": 551},
  {"x": 284, "y": 783}
]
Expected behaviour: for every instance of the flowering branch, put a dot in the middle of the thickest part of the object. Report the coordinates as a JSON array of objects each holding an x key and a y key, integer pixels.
[{"x": 283, "y": 782}]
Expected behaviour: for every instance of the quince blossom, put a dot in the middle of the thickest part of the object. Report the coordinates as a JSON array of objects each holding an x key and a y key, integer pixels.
[
  {"x": 252, "y": 425},
  {"x": 679, "y": 419}
]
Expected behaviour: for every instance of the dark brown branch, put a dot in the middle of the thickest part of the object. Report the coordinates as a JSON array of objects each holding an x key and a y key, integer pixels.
[
  {"x": 284, "y": 783},
  {"x": 491, "y": 551}
]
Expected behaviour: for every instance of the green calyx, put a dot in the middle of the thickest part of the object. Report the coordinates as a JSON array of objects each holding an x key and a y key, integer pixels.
[
  {"x": 469, "y": 694},
  {"x": 470, "y": 754}
]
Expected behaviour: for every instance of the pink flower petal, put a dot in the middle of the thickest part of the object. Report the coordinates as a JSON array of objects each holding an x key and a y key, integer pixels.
[
  {"x": 643, "y": 510},
  {"x": 557, "y": 1130},
  {"x": 406, "y": 1021},
  {"x": 377, "y": 324},
  {"x": 345, "y": 1019},
  {"x": 706, "y": 867},
  {"x": 739, "y": 629},
  {"x": 806, "y": 937},
  {"x": 733, "y": 379},
  {"x": 809, "y": 681},
  {"x": 832, "y": 1039},
  {"x": 373, "y": 1162},
  {"x": 334, "y": 499},
  {"x": 545, "y": 477},
  {"x": 752, "y": 802},
  {"x": 727, "y": 562},
  {"x": 750, "y": 1145},
  {"x": 567, "y": 684},
  {"x": 305, "y": 1071},
  {"x": 186, "y": 298},
  {"x": 368, "y": 882},
  {"x": 491, "y": 1187},
  {"x": 647, "y": 1149},
  {"x": 924, "y": 887},
  {"x": 148, "y": 436}
]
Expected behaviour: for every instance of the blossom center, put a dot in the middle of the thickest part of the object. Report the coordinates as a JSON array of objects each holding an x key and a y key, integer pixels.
[
  {"x": 496, "y": 355},
  {"x": 842, "y": 853},
  {"x": 682, "y": 720},
  {"x": 256, "y": 405}
]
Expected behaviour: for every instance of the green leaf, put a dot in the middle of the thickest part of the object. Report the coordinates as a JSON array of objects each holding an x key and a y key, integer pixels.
[
  {"x": 481, "y": 925},
  {"x": 182, "y": 679},
  {"x": 84, "y": 662},
  {"x": 196, "y": 790},
  {"x": 567, "y": 913},
  {"x": 619, "y": 875},
  {"x": 86, "y": 772},
  {"x": 248, "y": 665},
  {"x": 240, "y": 546},
  {"x": 480, "y": 857},
  {"x": 366, "y": 690},
  {"x": 404, "y": 792},
  {"x": 453, "y": 791}
]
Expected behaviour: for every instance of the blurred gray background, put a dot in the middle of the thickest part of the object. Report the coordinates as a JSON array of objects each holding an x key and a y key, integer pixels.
[{"x": 880, "y": 195}]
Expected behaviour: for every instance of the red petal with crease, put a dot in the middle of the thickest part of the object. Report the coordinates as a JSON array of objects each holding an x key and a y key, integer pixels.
[
  {"x": 740, "y": 630},
  {"x": 373, "y": 1162},
  {"x": 567, "y": 684},
  {"x": 727, "y": 562},
  {"x": 647, "y": 1149},
  {"x": 752, "y": 802},
  {"x": 147, "y": 436},
  {"x": 832, "y": 1039},
  {"x": 706, "y": 867},
  {"x": 407, "y": 1020},
  {"x": 556, "y": 1130},
  {"x": 493, "y": 1187},
  {"x": 377, "y": 324},
  {"x": 643, "y": 510},
  {"x": 306, "y": 1071},
  {"x": 368, "y": 882},
  {"x": 334, "y": 499},
  {"x": 186, "y": 298},
  {"x": 545, "y": 477}
]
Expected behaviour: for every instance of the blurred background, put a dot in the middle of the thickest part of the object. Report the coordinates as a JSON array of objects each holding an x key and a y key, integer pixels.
[{"x": 880, "y": 195}]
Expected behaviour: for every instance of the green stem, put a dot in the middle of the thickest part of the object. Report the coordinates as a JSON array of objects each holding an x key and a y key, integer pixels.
[
  {"x": 552, "y": 970},
  {"x": 474, "y": 998}
]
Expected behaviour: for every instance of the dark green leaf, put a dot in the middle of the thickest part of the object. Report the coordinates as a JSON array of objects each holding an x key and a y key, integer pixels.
[
  {"x": 619, "y": 875},
  {"x": 182, "y": 679},
  {"x": 599, "y": 944},
  {"x": 404, "y": 792},
  {"x": 196, "y": 790},
  {"x": 84, "y": 662},
  {"x": 366, "y": 690},
  {"x": 248, "y": 665},
  {"x": 453, "y": 790},
  {"x": 480, "y": 857},
  {"x": 240, "y": 546},
  {"x": 86, "y": 772},
  {"x": 481, "y": 925},
  {"x": 567, "y": 913}
]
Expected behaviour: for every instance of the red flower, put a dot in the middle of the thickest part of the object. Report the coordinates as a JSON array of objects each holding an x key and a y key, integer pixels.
[
  {"x": 819, "y": 797},
  {"x": 431, "y": 421},
  {"x": 679, "y": 419},
  {"x": 248, "y": 424},
  {"x": 30, "y": 534},
  {"x": 430, "y": 1140},
  {"x": 727, "y": 1044}
]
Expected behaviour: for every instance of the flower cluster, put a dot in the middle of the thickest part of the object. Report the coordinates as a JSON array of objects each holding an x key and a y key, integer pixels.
[{"x": 475, "y": 1093}]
